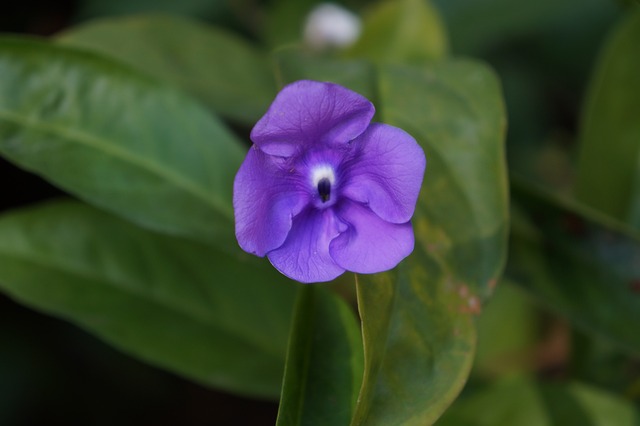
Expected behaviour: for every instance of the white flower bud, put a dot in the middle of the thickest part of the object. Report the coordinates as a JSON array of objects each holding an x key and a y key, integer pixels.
[{"x": 329, "y": 25}]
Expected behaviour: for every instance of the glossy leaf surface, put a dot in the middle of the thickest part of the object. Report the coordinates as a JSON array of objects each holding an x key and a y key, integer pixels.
[
  {"x": 117, "y": 140},
  {"x": 179, "y": 305},
  {"x": 324, "y": 362},
  {"x": 418, "y": 323},
  {"x": 229, "y": 75}
]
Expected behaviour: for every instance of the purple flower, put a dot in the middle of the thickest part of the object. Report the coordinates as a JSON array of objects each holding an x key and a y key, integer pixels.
[{"x": 324, "y": 190}]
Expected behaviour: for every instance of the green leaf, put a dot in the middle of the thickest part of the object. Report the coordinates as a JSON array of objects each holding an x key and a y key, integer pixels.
[
  {"x": 294, "y": 64},
  {"x": 508, "y": 332},
  {"x": 419, "y": 333},
  {"x": 521, "y": 401},
  {"x": 478, "y": 26},
  {"x": 225, "y": 72},
  {"x": 599, "y": 361},
  {"x": 404, "y": 31},
  {"x": 602, "y": 408},
  {"x": 418, "y": 325},
  {"x": 578, "y": 262},
  {"x": 455, "y": 111},
  {"x": 509, "y": 402},
  {"x": 419, "y": 340},
  {"x": 219, "y": 319},
  {"x": 117, "y": 140},
  {"x": 324, "y": 364},
  {"x": 284, "y": 21},
  {"x": 608, "y": 175}
]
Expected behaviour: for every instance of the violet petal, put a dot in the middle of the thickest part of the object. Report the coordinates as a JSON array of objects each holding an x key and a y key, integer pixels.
[
  {"x": 265, "y": 199},
  {"x": 304, "y": 256},
  {"x": 386, "y": 172},
  {"x": 310, "y": 112},
  {"x": 370, "y": 244}
]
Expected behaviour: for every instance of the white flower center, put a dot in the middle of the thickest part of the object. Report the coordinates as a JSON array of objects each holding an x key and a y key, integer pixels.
[
  {"x": 323, "y": 179},
  {"x": 323, "y": 171}
]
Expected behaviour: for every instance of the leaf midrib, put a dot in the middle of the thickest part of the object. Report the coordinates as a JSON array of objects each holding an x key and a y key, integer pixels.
[{"x": 100, "y": 144}]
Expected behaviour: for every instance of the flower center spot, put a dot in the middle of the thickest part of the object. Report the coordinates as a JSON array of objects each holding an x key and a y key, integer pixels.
[
  {"x": 324, "y": 189},
  {"x": 323, "y": 178}
]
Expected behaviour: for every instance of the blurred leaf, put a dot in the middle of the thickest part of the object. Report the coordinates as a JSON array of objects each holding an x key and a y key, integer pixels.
[
  {"x": 285, "y": 21},
  {"x": 294, "y": 64},
  {"x": 403, "y": 31},
  {"x": 507, "y": 333},
  {"x": 224, "y": 71},
  {"x": 479, "y": 25},
  {"x": 521, "y": 401},
  {"x": 599, "y": 361},
  {"x": 324, "y": 364},
  {"x": 579, "y": 263},
  {"x": 418, "y": 327},
  {"x": 508, "y": 402},
  {"x": 608, "y": 177},
  {"x": 544, "y": 69},
  {"x": 218, "y": 319},
  {"x": 602, "y": 408},
  {"x": 117, "y": 140}
]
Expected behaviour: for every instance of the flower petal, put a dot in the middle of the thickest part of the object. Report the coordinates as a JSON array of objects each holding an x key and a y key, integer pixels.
[
  {"x": 310, "y": 112},
  {"x": 305, "y": 255},
  {"x": 386, "y": 172},
  {"x": 369, "y": 244},
  {"x": 265, "y": 199}
]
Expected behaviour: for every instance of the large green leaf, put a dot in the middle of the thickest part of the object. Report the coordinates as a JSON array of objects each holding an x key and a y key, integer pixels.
[
  {"x": 419, "y": 334},
  {"x": 578, "y": 262},
  {"x": 117, "y": 139},
  {"x": 324, "y": 364},
  {"x": 224, "y": 71},
  {"x": 219, "y": 319},
  {"x": 523, "y": 402},
  {"x": 404, "y": 31},
  {"x": 608, "y": 176},
  {"x": 417, "y": 320},
  {"x": 455, "y": 111},
  {"x": 419, "y": 341}
]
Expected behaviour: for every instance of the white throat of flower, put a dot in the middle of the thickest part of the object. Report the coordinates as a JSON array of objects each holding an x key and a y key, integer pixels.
[
  {"x": 323, "y": 178},
  {"x": 322, "y": 172}
]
